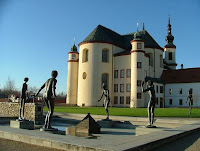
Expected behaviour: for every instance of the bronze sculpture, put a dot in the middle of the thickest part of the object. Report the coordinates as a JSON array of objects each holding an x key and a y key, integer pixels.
[
  {"x": 190, "y": 99},
  {"x": 152, "y": 101},
  {"x": 23, "y": 99},
  {"x": 105, "y": 93},
  {"x": 48, "y": 97}
]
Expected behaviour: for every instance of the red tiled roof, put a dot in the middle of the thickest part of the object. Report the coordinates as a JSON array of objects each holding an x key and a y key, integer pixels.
[{"x": 189, "y": 75}]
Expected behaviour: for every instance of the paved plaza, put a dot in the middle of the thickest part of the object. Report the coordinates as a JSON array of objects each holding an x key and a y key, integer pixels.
[{"x": 110, "y": 138}]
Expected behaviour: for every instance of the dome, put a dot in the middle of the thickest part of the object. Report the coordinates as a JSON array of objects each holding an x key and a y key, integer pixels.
[
  {"x": 74, "y": 48},
  {"x": 137, "y": 36}
]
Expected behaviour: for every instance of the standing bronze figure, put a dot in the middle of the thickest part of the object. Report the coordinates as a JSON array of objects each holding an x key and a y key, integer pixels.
[
  {"x": 48, "y": 96},
  {"x": 190, "y": 99},
  {"x": 152, "y": 101},
  {"x": 105, "y": 93},
  {"x": 23, "y": 99}
]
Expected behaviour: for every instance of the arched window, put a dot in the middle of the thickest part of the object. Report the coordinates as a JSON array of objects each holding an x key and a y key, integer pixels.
[
  {"x": 105, "y": 55},
  {"x": 104, "y": 79},
  {"x": 85, "y": 55},
  {"x": 161, "y": 61}
]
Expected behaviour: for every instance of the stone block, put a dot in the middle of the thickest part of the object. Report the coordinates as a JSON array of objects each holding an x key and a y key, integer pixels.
[
  {"x": 25, "y": 124},
  {"x": 71, "y": 130}
]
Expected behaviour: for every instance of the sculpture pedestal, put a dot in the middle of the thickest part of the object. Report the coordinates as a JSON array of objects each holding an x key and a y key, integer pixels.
[
  {"x": 144, "y": 130},
  {"x": 24, "y": 124},
  {"x": 49, "y": 129},
  {"x": 106, "y": 123}
]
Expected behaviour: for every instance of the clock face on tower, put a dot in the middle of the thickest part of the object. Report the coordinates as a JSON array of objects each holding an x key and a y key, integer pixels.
[{"x": 139, "y": 46}]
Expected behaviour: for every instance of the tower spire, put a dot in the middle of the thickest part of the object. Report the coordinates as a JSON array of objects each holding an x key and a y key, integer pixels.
[
  {"x": 74, "y": 40},
  {"x": 143, "y": 26},
  {"x": 169, "y": 38},
  {"x": 169, "y": 27}
]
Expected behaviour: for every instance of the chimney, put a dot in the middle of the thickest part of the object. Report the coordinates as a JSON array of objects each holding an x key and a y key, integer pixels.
[{"x": 181, "y": 66}]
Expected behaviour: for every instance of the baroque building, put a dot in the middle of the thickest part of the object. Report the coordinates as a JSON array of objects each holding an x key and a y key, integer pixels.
[{"x": 122, "y": 62}]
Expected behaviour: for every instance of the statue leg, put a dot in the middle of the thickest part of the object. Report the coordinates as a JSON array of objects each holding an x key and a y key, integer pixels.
[
  {"x": 190, "y": 105},
  {"x": 149, "y": 112},
  {"x": 106, "y": 103},
  {"x": 152, "y": 114},
  {"x": 20, "y": 110},
  {"x": 23, "y": 104},
  {"x": 51, "y": 109},
  {"x": 47, "y": 115}
]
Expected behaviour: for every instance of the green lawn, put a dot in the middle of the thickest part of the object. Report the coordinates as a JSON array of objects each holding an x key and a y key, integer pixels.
[{"x": 137, "y": 112}]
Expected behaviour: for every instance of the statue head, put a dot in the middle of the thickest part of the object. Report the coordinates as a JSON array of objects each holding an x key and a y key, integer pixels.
[
  {"x": 149, "y": 83},
  {"x": 54, "y": 73},
  {"x": 26, "y": 79},
  {"x": 104, "y": 86},
  {"x": 190, "y": 90}
]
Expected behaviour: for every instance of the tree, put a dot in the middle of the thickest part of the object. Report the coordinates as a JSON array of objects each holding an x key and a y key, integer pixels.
[{"x": 9, "y": 88}]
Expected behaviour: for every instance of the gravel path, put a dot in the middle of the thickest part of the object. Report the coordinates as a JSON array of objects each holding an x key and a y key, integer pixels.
[{"x": 9, "y": 145}]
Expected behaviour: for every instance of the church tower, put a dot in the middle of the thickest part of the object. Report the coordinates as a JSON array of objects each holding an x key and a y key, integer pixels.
[
  {"x": 72, "y": 77},
  {"x": 137, "y": 70},
  {"x": 170, "y": 49}
]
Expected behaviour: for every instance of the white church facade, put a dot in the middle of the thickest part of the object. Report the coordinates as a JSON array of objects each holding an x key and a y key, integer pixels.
[{"x": 122, "y": 62}]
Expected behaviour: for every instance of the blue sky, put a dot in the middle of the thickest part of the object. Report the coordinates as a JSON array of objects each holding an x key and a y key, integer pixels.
[{"x": 36, "y": 35}]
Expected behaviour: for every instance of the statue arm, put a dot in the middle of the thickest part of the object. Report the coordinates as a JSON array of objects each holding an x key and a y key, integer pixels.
[
  {"x": 40, "y": 89},
  {"x": 54, "y": 88},
  {"x": 142, "y": 87},
  {"x": 101, "y": 96}
]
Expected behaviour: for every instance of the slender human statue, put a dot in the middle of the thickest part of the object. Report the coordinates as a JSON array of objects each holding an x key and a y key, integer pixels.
[
  {"x": 48, "y": 96},
  {"x": 190, "y": 99},
  {"x": 152, "y": 101},
  {"x": 23, "y": 99},
  {"x": 105, "y": 93}
]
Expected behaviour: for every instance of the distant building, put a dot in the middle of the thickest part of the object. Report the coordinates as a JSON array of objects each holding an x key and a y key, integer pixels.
[
  {"x": 122, "y": 62},
  {"x": 177, "y": 84}
]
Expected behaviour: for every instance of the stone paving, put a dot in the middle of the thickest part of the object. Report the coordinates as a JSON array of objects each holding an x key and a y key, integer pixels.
[{"x": 109, "y": 139}]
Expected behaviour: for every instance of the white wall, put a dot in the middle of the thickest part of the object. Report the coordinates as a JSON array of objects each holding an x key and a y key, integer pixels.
[{"x": 175, "y": 96}]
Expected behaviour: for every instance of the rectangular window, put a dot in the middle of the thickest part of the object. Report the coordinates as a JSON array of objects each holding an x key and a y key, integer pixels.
[
  {"x": 115, "y": 99},
  {"x": 116, "y": 74},
  {"x": 121, "y": 100},
  {"x": 180, "y": 102},
  {"x": 139, "y": 95},
  {"x": 161, "y": 89},
  {"x": 104, "y": 55},
  {"x": 180, "y": 91},
  {"x": 73, "y": 56},
  {"x": 170, "y": 55},
  {"x": 139, "y": 82},
  {"x": 121, "y": 87},
  {"x": 115, "y": 87},
  {"x": 170, "y": 91},
  {"x": 104, "y": 79},
  {"x": 139, "y": 64},
  {"x": 122, "y": 73},
  {"x": 128, "y": 87},
  {"x": 128, "y": 100},
  {"x": 170, "y": 101},
  {"x": 157, "y": 101},
  {"x": 139, "y": 45},
  {"x": 156, "y": 89},
  {"x": 128, "y": 73}
]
